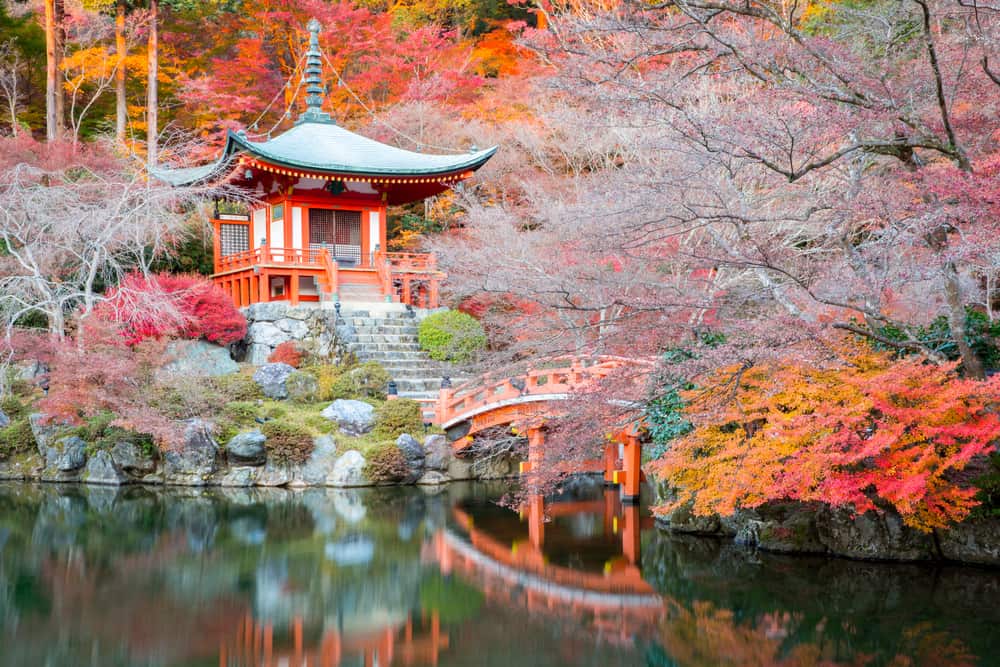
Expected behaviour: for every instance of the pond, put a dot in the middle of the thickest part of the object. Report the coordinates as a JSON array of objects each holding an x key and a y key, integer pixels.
[{"x": 140, "y": 576}]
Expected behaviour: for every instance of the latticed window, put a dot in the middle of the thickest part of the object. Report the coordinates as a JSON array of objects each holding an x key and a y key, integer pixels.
[
  {"x": 234, "y": 238},
  {"x": 338, "y": 230}
]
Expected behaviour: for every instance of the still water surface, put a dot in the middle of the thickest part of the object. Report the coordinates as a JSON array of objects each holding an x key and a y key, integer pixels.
[{"x": 94, "y": 576}]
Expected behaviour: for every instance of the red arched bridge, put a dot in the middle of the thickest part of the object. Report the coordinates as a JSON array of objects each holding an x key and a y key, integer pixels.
[{"x": 525, "y": 401}]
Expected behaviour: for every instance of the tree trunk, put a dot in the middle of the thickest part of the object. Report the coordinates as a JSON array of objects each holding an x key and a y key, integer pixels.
[
  {"x": 60, "y": 47},
  {"x": 971, "y": 362},
  {"x": 51, "y": 71},
  {"x": 152, "y": 56},
  {"x": 121, "y": 109}
]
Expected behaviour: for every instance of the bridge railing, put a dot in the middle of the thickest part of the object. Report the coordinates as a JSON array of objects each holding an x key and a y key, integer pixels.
[{"x": 558, "y": 381}]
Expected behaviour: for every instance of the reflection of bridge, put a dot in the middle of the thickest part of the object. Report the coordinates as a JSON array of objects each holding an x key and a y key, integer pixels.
[
  {"x": 412, "y": 644},
  {"x": 617, "y": 599},
  {"x": 524, "y": 402}
]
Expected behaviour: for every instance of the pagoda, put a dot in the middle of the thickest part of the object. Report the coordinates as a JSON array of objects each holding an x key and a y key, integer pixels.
[{"x": 316, "y": 230}]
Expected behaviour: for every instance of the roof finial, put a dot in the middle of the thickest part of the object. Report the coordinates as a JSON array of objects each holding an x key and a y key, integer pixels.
[{"x": 313, "y": 80}]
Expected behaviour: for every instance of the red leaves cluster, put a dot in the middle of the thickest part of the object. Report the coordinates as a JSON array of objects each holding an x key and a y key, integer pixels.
[
  {"x": 287, "y": 353},
  {"x": 176, "y": 306}
]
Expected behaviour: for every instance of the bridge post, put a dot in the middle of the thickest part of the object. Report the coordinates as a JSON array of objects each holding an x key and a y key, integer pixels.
[
  {"x": 444, "y": 396},
  {"x": 632, "y": 465},
  {"x": 536, "y": 445},
  {"x": 610, "y": 462}
]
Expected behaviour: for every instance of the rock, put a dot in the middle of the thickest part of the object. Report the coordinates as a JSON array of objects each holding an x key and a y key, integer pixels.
[
  {"x": 274, "y": 474},
  {"x": 199, "y": 358},
  {"x": 266, "y": 333},
  {"x": 271, "y": 379},
  {"x": 101, "y": 469},
  {"x": 354, "y": 417},
  {"x": 320, "y": 463},
  {"x": 684, "y": 520},
  {"x": 247, "y": 448},
  {"x": 295, "y": 329},
  {"x": 972, "y": 541},
  {"x": 437, "y": 452},
  {"x": 4, "y": 419},
  {"x": 433, "y": 478},
  {"x": 782, "y": 528},
  {"x": 239, "y": 476},
  {"x": 267, "y": 311},
  {"x": 44, "y": 433},
  {"x": 194, "y": 461},
  {"x": 348, "y": 470},
  {"x": 493, "y": 468},
  {"x": 302, "y": 387},
  {"x": 872, "y": 535},
  {"x": 299, "y": 313},
  {"x": 460, "y": 469},
  {"x": 352, "y": 550},
  {"x": 414, "y": 455},
  {"x": 257, "y": 354},
  {"x": 68, "y": 454},
  {"x": 31, "y": 370},
  {"x": 132, "y": 459}
]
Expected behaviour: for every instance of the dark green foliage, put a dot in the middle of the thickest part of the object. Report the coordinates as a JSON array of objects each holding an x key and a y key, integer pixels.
[
  {"x": 192, "y": 255},
  {"x": 665, "y": 421},
  {"x": 981, "y": 334},
  {"x": 240, "y": 411},
  {"x": 384, "y": 463},
  {"x": 368, "y": 380},
  {"x": 989, "y": 490},
  {"x": 393, "y": 418},
  {"x": 287, "y": 443},
  {"x": 14, "y": 407},
  {"x": 451, "y": 335},
  {"x": 16, "y": 438}
]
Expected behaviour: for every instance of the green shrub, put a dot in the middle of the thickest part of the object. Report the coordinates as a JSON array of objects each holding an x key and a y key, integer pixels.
[
  {"x": 368, "y": 380},
  {"x": 384, "y": 463},
  {"x": 236, "y": 387},
  {"x": 326, "y": 378},
  {"x": 286, "y": 442},
  {"x": 99, "y": 434},
  {"x": 319, "y": 424},
  {"x": 451, "y": 335},
  {"x": 303, "y": 387},
  {"x": 393, "y": 418},
  {"x": 14, "y": 407},
  {"x": 240, "y": 411},
  {"x": 16, "y": 438},
  {"x": 989, "y": 490}
]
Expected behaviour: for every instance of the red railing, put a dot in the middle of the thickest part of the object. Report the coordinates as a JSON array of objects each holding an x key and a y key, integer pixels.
[
  {"x": 481, "y": 392},
  {"x": 412, "y": 262},
  {"x": 311, "y": 257},
  {"x": 416, "y": 275}
]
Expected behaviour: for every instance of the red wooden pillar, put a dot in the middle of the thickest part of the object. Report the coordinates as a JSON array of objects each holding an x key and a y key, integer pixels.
[
  {"x": 406, "y": 289},
  {"x": 265, "y": 287},
  {"x": 536, "y": 444},
  {"x": 632, "y": 467},
  {"x": 293, "y": 288},
  {"x": 610, "y": 462},
  {"x": 434, "y": 294}
]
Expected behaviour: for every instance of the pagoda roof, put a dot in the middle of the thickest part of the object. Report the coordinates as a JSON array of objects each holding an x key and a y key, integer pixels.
[{"x": 325, "y": 148}]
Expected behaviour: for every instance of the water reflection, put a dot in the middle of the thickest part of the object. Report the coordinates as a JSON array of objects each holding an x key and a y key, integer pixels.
[{"x": 94, "y": 576}]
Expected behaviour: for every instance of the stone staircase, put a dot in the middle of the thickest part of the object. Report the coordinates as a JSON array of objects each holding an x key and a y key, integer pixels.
[{"x": 390, "y": 338}]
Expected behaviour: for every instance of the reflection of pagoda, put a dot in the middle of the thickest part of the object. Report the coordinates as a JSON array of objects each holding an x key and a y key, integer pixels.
[
  {"x": 415, "y": 643},
  {"x": 519, "y": 573}
]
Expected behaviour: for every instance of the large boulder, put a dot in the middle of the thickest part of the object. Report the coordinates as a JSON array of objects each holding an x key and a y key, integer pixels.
[
  {"x": 133, "y": 459},
  {"x": 682, "y": 519},
  {"x": 274, "y": 473},
  {"x": 433, "y": 478},
  {"x": 267, "y": 311},
  {"x": 782, "y": 528},
  {"x": 972, "y": 541},
  {"x": 247, "y": 448},
  {"x": 461, "y": 469},
  {"x": 101, "y": 469},
  {"x": 272, "y": 377},
  {"x": 872, "y": 536},
  {"x": 238, "y": 476},
  {"x": 320, "y": 463},
  {"x": 437, "y": 453},
  {"x": 64, "y": 457},
  {"x": 348, "y": 470},
  {"x": 414, "y": 455},
  {"x": 266, "y": 333},
  {"x": 45, "y": 431},
  {"x": 199, "y": 358},
  {"x": 353, "y": 417},
  {"x": 193, "y": 462}
]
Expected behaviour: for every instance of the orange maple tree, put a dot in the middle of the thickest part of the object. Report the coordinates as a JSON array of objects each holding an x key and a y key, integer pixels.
[{"x": 868, "y": 433}]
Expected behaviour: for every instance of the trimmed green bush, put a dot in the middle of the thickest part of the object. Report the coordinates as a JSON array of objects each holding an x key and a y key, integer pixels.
[
  {"x": 451, "y": 335},
  {"x": 99, "y": 434},
  {"x": 303, "y": 387},
  {"x": 286, "y": 442},
  {"x": 384, "y": 463},
  {"x": 240, "y": 411},
  {"x": 368, "y": 380},
  {"x": 393, "y": 418}
]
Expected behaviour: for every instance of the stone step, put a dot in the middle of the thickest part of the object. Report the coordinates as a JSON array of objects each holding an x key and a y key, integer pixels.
[
  {"x": 388, "y": 347},
  {"x": 426, "y": 385},
  {"x": 384, "y": 338},
  {"x": 388, "y": 357}
]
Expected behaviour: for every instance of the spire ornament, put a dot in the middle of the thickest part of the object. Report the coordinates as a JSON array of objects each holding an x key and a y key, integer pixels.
[{"x": 312, "y": 79}]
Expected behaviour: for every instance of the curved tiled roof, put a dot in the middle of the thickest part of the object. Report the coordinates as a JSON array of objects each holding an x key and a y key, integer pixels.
[{"x": 324, "y": 147}]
